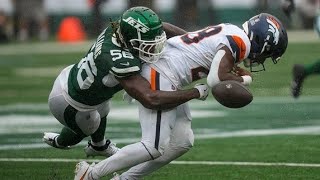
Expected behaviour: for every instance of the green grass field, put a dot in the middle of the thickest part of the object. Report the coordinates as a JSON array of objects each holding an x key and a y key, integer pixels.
[{"x": 275, "y": 137}]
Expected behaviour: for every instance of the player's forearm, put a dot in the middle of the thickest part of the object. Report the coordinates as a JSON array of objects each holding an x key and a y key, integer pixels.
[
  {"x": 172, "y": 30},
  {"x": 162, "y": 100},
  {"x": 139, "y": 88},
  {"x": 230, "y": 76}
]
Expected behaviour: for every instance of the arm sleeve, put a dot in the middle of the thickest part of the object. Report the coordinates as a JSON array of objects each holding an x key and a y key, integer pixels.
[{"x": 213, "y": 77}]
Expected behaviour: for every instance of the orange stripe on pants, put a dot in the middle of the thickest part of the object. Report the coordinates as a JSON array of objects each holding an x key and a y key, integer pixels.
[{"x": 153, "y": 79}]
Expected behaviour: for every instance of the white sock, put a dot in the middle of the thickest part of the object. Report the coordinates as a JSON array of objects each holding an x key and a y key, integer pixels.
[{"x": 128, "y": 156}]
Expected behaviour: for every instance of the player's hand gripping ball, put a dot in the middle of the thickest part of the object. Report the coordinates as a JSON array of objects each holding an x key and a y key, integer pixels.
[{"x": 232, "y": 94}]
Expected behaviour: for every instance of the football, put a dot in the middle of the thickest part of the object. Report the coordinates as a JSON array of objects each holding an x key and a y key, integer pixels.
[{"x": 232, "y": 94}]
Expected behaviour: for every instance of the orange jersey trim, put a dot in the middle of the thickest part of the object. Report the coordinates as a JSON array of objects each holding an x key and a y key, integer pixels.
[{"x": 241, "y": 45}]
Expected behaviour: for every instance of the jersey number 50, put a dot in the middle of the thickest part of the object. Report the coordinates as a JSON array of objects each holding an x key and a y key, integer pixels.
[{"x": 83, "y": 65}]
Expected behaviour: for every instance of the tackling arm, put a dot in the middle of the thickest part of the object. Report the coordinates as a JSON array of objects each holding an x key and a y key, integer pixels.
[
  {"x": 172, "y": 30},
  {"x": 222, "y": 69},
  {"x": 139, "y": 88}
]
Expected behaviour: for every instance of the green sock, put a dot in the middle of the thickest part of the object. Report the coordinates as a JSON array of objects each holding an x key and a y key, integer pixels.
[
  {"x": 72, "y": 134},
  {"x": 313, "y": 68},
  {"x": 98, "y": 136},
  {"x": 68, "y": 138}
]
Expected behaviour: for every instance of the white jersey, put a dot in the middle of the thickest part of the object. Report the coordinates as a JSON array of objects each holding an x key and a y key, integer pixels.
[{"x": 188, "y": 57}]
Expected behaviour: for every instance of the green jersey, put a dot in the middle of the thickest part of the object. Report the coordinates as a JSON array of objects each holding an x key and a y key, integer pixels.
[{"x": 92, "y": 80}]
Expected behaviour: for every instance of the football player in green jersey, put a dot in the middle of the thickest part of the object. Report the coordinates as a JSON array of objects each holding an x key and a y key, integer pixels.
[
  {"x": 300, "y": 72},
  {"x": 80, "y": 95}
]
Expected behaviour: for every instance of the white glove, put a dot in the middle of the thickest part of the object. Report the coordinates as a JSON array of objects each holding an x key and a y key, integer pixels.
[
  {"x": 128, "y": 98},
  {"x": 203, "y": 90}
]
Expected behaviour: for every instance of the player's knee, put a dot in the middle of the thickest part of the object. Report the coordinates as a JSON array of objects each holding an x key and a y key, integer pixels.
[
  {"x": 56, "y": 108},
  {"x": 88, "y": 122},
  {"x": 190, "y": 140},
  {"x": 183, "y": 147},
  {"x": 187, "y": 141},
  {"x": 154, "y": 152},
  {"x": 104, "y": 109}
]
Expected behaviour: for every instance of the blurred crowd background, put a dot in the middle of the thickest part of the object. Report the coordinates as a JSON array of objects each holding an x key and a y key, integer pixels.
[{"x": 77, "y": 20}]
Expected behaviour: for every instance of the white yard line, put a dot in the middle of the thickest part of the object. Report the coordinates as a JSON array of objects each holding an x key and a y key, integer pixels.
[
  {"x": 244, "y": 163},
  {"x": 27, "y": 123},
  {"x": 195, "y": 104},
  {"x": 306, "y": 130},
  {"x": 225, "y": 163},
  {"x": 115, "y": 116}
]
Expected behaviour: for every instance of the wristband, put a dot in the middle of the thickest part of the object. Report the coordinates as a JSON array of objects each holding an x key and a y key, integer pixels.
[{"x": 247, "y": 80}]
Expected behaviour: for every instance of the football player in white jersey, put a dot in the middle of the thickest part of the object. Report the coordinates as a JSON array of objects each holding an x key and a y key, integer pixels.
[
  {"x": 80, "y": 96},
  {"x": 213, "y": 52}
]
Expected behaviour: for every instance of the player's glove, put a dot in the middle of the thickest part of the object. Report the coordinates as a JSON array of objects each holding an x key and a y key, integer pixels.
[
  {"x": 126, "y": 97},
  {"x": 203, "y": 90}
]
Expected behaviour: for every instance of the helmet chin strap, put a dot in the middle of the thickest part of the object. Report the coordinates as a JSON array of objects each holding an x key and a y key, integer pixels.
[{"x": 255, "y": 64}]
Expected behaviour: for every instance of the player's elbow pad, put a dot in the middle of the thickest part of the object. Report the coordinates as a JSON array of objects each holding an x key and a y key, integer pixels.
[{"x": 213, "y": 77}]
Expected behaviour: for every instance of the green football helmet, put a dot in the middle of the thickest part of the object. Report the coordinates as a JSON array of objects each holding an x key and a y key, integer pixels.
[{"x": 142, "y": 33}]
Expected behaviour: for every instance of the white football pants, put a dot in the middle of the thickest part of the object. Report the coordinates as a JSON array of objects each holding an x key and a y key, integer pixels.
[
  {"x": 166, "y": 135},
  {"x": 87, "y": 120}
]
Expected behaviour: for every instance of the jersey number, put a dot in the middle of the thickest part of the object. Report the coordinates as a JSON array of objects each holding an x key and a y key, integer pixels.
[
  {"x": 84, "y": 66},
  {"x": 118, "y": 54},
  {"x": 195, "y": 37}
]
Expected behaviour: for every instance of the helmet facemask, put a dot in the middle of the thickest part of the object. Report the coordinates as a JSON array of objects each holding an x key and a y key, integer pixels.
[
  {"x": 257, "y": 59},
  {"x": 149, "y": 50},
  {"x": 268, "y": 40}
]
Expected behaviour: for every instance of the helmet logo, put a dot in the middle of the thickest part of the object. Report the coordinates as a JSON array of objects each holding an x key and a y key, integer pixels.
[
  {"x": 274, "y": 29},
  {"x": 137, "y": 24}
]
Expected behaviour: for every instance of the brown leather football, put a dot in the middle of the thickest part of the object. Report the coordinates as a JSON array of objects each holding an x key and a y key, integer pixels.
[{"x": 232, "y": 94}]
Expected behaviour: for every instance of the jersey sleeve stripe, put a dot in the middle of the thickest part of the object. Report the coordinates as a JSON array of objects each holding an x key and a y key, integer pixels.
[
  {"x": 238, "y": 46},
  {"x": 241, "y": 46},
  {"x": 123, "y": 75},
  {"x": 125, "y": 70}
]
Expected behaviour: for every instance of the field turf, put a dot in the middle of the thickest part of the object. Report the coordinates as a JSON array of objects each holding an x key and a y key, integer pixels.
[{"x": 275, "y": 137}]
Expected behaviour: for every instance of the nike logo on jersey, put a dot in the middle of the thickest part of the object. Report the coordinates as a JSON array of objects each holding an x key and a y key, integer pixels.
[{"x": 125, "y": 64}]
